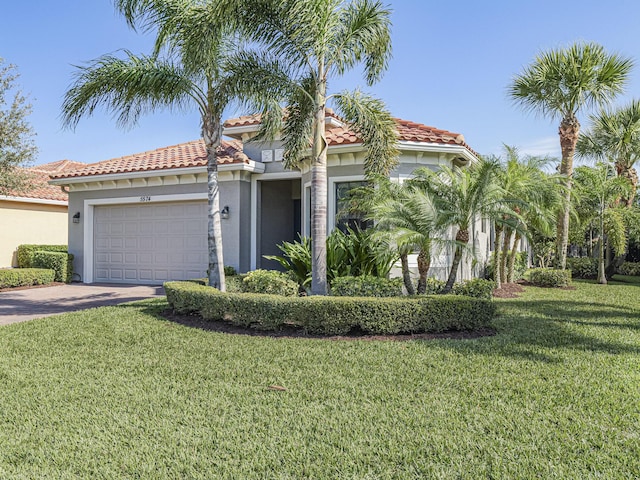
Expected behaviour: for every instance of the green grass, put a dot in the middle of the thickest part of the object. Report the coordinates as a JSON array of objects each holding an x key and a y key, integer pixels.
[{"x": 120, "y": 393}]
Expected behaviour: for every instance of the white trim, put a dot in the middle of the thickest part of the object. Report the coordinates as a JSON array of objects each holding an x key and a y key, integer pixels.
[
  {"x": 306, "y": 229},
  {"x": 254, "y": 208},
  {"x": 252, "y": 166},
  {"x": 331, "y": 201},
  {"x": 231, "y": 131},
  {"x": 438, "y": 147},
  {"x": 42, "y": 201},
  {"x": 88, "y": 228}
]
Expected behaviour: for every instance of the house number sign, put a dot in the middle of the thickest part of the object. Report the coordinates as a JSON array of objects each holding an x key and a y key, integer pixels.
[{"x": 145, "y": 198}]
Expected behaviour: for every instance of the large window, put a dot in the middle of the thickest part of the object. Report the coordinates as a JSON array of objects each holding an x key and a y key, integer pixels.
[{"x": 344, "y": 214}]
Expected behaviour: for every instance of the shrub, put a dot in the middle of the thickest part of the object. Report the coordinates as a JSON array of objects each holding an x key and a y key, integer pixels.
[
  {"x": 22, "y": 277},
  {"x": 25, "y": 253},
  {"x": 477, "y": 288},
  {"x": 583, "y": 267},
  {"x": 332, "y": 315},
  {"x": 629, "y": 268},
  {"x": 434, "y": 286},
  {"x": 366, "y": 286},
  {"x": 60, "y": 262},
  {"x": 270, "y": 282},
  {"x": 549, "y": 277},
  {"x": 230, "y": 271}
]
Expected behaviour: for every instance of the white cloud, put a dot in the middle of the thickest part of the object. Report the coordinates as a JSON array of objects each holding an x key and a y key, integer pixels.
[{"x": 547, "y": 146}]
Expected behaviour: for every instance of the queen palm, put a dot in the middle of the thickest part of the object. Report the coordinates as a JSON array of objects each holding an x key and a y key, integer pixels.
[
  {"x": 186, "y": 69},
  {"x": 560, "y": 84},
  {"x": 305, "y": 44},
  {"x": 463, "y": 195}
]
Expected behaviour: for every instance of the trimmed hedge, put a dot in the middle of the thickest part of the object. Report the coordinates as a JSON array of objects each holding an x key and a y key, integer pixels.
[
  {"x": 270, "y": 282},
  {"x": 549, "y": 277},
  {"x": 23, "y": 277},
  {"x": 477, "y": 288},
  {"x": 60, "y": 262},
  {"x": 366, "y": 286},
  {"x": 332, "y": 315},
  {"x": 630, "y": 268},
  {"x": 583, "y": 267},
  {"x": 25, "y": 253}
]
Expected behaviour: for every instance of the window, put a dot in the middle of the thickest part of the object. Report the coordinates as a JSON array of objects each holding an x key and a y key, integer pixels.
[{"x": 345, "y": 217}]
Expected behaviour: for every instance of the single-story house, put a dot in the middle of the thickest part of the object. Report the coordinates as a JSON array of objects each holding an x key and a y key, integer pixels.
[
  {"x": 37, "y": 215},
  {"x": 143, "y": 217}
]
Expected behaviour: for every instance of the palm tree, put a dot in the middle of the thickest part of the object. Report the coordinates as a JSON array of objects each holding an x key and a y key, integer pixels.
[
  {"x": 532, "y": 193},
  {"x": 560, "y": 84},
  {"x": 414, "y": 222},
  {"x": 305, "y": 45},
  {"x": 463, "y": 195},
  {"x": 598, "y": 189},
  {"x": 187, "y": 68},
  {"x": 615, "y": 136}
]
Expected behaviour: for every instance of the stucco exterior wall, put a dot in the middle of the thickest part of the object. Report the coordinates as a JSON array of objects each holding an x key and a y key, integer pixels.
[{"x": 29, "y": 223}]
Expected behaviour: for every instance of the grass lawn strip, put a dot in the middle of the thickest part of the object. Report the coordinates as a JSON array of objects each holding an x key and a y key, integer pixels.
[{"x": 119, "y": 392}]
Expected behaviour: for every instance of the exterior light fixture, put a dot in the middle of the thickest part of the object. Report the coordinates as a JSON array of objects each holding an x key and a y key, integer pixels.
[
  {"x": 76, "y": 218},
  {"x": 224, "y": 213}
]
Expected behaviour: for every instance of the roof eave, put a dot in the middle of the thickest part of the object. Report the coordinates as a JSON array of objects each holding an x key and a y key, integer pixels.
[{"x": 41, "y": 201}]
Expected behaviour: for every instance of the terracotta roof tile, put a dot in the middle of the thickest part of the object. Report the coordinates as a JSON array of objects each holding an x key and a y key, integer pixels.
[
  {"x": 184, "y": 155},
  {"x": 40, "y": 175},
  {"x": 247, "y": 120}
]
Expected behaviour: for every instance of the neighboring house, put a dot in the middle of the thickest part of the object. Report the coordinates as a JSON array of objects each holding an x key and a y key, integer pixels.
[
  {"x": 37, "y": 215},
  {"x": 143, "y": 218}
]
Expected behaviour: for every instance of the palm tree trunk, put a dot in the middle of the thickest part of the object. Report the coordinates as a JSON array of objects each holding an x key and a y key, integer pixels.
[
  {"x": 319, "y": 194},
  {"x": 602, "y": 278},
  {"x": 424, "y": 262},
  {"x": 508, "y": 233},
  {"x": 212, "y": 133},
  {"x": 568, "y": 131},
  {"x": 511, "y": 265},
  {"x": 497, "y": 254},
  {"x": 462, "y": 237},
  {"x": 406, "y": 274}
]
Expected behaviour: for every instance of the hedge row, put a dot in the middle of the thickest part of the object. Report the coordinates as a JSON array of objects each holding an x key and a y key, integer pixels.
[
  {"x": 629, "y": 268},
  {"x": 60, "y": 262},
  {"x": 583, "y": 267},
  {"x": 332, "y": 315},
  {"x": 25, "y": 253},
  {"x": 23, "y": 277},
  {"x": 549, "y": 277}
]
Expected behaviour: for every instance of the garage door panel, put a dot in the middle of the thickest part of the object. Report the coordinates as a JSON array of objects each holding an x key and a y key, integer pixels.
[{"x": 164, "y": 242}]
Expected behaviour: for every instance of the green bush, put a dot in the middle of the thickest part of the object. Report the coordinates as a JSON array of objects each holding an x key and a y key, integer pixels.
[
  {"x": 519, "y": 267},
  {"x": 25, "y": 253},
  {"x": 23, "y": 277},
  {"x": 230, "y": 271},
  {"x": 366, "y": 286},
  {"x": 269, "y": 282},
  {"x": 332, "y": 315},
  {"x": 60, "y": 262},
  {"x": 549, "y": 277},
  {"x": 434, "y": 286},
  {"x": 629, "y": 268},
  {"x": 583, "y": 267},
  {"x": 351, "y": 253},
  {"x": 477, "y": 288}
]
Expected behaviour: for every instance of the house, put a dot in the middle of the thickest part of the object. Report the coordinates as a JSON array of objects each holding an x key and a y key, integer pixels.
[
  {"x": 143, "y": 217},
  {"x": 37, "y": 215}
]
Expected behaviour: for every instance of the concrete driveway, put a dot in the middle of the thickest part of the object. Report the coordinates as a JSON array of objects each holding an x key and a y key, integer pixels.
[{"x": 21, "y": 305}]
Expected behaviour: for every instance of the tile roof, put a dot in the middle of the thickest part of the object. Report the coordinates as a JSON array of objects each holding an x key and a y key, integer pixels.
[
  {"x": 183, "y": 155},
  {"x": 39, "y": 178},
  {"x": 247, "y": 120}
]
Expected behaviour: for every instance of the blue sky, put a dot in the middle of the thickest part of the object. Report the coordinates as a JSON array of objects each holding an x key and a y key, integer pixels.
[{"x": 451, "y": 66}]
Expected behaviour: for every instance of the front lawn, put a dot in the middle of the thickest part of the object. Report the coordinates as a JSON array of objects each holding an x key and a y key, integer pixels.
[{"x": 119, "y": 392}]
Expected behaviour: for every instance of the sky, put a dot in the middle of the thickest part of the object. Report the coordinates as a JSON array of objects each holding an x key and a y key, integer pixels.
[{"x": 452, "y": 63}]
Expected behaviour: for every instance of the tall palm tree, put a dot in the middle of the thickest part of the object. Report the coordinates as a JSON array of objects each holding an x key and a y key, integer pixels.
[
  {"x": 560, "y": 84},
  {"x": 306, "y": 44},
  {"x": 462, "y": 195},
  {"x": 615, "y": 136},
  {"x": 598, "y": 189},
  {"x": 186, "y": 70}
]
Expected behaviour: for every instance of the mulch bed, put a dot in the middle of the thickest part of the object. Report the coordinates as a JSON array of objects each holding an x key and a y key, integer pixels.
[
  {"x": 29, "y": 287},
  {"x": 508, "y": 290},
  {"x": 195, "y": 321}
]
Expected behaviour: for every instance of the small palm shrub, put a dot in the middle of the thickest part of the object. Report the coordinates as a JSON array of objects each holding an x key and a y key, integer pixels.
[
  {"x": 270, "y": 282},
  {"x": 351, "y": 253},
  {"x": 366, "y": 286},
  {"x": 549, "y": 277},
  {"x": 583, "y": 267}
]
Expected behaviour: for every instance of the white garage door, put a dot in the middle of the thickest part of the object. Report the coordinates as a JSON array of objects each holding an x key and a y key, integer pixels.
[{"x": 150, "y": 243}]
